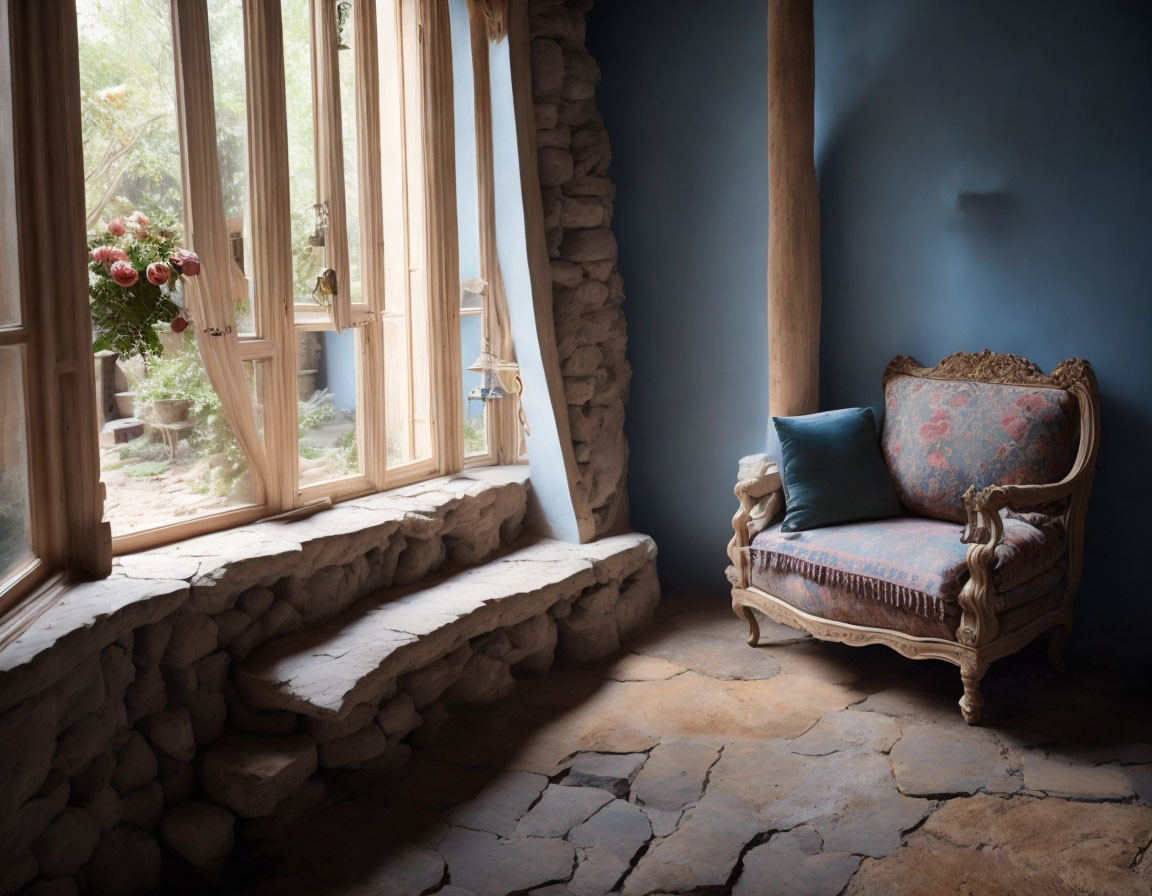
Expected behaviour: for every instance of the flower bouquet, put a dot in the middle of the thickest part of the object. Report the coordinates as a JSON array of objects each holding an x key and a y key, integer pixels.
[{"x": 134, "y": 275}]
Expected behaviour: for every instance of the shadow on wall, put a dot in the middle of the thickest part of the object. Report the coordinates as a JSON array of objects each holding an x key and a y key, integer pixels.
[
  {"x": 985, "y": 183},
  {"x": 684, "y": 99}
]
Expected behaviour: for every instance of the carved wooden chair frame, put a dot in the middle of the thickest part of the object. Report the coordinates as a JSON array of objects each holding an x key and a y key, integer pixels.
[{"x": 978, "y": 641}]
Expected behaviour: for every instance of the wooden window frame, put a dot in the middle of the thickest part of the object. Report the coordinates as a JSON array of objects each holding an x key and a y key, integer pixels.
[
  {"x": 43, "y": 108},
  {"x": 408, "y": 239}
]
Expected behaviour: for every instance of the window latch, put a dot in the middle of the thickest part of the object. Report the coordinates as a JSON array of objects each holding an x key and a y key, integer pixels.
[{"x": 326, "y": 288}]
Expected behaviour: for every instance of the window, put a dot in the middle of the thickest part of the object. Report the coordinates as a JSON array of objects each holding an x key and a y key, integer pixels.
[
  {"x": 491, "y": 431},
  {"x": 310, "y": 342},
  {"x": 16, "y": 549}
]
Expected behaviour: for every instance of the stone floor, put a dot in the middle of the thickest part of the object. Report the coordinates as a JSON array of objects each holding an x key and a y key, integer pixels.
[{"x": 694, "y": 764}]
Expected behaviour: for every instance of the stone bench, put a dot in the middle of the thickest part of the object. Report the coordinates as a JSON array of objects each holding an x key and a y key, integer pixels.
[
  {"x": 325, "y": 672},
  {"x": 151, "y": 708},
  {"x": 352, "y": 693}
]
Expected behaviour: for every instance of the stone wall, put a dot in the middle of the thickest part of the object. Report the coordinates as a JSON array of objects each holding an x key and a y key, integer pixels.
[
  {"x": 587, "y": 290},
  {"x": 125, "y": 743}
]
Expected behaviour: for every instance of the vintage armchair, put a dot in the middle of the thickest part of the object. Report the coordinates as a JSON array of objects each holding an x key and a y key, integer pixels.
[{"x": 992, "y": 460}]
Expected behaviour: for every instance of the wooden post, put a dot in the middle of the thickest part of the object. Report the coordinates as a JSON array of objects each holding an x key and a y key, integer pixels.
[{"x": 793, "y": 214}]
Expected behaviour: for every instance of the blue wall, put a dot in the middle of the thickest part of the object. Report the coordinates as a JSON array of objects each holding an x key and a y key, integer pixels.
[
  {"x": 684, "y": 98},
  {"x": 1041, "y": 111}
]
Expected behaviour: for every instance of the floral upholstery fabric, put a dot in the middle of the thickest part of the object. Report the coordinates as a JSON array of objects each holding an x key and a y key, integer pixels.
[
  {"x": 842, "y": 605},
  {"x": 942, "y": 436},
  {"x": 910, "y": 566}
]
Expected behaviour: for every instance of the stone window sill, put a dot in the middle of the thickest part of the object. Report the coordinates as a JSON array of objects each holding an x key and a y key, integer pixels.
[{"x": 204, "y": 574}]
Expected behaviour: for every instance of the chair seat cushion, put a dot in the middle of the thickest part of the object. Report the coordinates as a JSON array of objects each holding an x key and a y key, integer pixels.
[{"x": 911, "y": 564}]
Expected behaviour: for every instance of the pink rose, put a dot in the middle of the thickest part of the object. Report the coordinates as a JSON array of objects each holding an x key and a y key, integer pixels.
[
  {"x": 158, "y": 273},
  {"x": 108, "y": 254},
  {"x": 179, "y": 323},
  {"x": 937, "y": 460},
  {"x": 124, "y": 274},
  {"x": 187, "y": 263},
  {"x": 139, "y": 218},
  {"x": 116, "y": 227}
]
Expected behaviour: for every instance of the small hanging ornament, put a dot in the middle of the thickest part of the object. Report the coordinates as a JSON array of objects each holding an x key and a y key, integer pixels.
[
  {"x": 343, "y": 14},
  {"x": 500, "y": 378}
]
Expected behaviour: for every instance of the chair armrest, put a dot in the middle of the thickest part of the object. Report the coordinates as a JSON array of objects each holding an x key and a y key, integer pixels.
[
  {"x": 760, "y": 492},
  {"x": 984, "y": 531}
]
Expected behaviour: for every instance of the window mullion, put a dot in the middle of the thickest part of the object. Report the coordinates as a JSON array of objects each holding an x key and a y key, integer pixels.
[
  {"x": 66, "y": 494},
  {"x": 372, "y": 382},
  {"x": 272, "y": 240},
  {"x": 330, "y": 184},
  {"x": 440, "y": 244}
]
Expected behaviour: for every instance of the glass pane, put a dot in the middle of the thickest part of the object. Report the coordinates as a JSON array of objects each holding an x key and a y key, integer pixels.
[
  {"x": 128, "y": 109},
  {"x": 475, "y": 408},
  {"x": 256, "y": 373},
  {"x": 15, "y": 522},
  {"x": 347, "y": 62},
  {"x": 167, "y": 450},
  {"x": 172, "y": 455},
  {"x": 230, "y": 91},
  {"x": 397, "y": 407},
  {"x": 326, "y": 384},
  {"x": 308, "y": 258},
  {"x": 468, "y": 231},
  {"x": 132, "y": 171},
  {"x": 9, "y": 293}
]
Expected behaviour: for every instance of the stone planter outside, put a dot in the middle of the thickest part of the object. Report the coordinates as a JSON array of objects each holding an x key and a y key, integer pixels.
[
  {"x": 307, "y": 350},
  {"x": 126, "y": 404},
  {"x": 171, "y": 410},
  {"x": 305, "y": 384}
]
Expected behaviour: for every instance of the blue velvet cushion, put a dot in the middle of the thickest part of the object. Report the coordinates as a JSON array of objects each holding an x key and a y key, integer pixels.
[{"x": 833, "y": 471}]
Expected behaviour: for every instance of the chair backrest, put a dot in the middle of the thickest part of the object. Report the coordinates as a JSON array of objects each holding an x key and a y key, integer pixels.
[{"x": 977, "y": 419}]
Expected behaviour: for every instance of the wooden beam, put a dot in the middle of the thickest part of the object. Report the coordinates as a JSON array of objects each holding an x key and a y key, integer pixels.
[{"x": 793, "y": 214}]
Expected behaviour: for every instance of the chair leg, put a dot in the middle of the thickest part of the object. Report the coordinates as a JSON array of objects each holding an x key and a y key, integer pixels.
[
  {"x": 748, "y": 616},
  {"x": 1056, "y": 643},
  {"x": 972, "y": 703}
]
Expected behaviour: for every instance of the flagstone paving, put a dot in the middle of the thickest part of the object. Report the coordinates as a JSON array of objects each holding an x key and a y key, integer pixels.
[{"x": 691, "y": 763}]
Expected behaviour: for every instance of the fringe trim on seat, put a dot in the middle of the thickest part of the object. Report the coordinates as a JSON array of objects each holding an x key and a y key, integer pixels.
[{"x": 898, "y": 596}]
